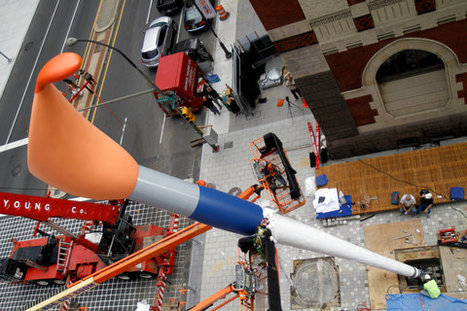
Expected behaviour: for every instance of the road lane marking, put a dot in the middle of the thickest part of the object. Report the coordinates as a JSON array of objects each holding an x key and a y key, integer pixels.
[
  {"x": 69, "y": 27},
  {"x": 149, "y": 12},
  {"x": 14, "y": 144},
  {"x": 123, "y": 131},
  {"x": 162, "y": 130},
  {"x": 180, "y": 24}
]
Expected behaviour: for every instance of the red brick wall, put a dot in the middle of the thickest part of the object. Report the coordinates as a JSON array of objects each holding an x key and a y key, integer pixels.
[
  {"x": 277, "y": 13},
  {"x": 352, "y": 2},
  {"x": 295, "y": 42},
  {"x": 361, "y": 111},
  {"x": 348, "y": 66},
  {"x": 462, "y": 77}
]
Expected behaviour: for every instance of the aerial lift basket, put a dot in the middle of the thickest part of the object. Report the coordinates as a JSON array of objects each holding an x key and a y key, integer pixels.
[{"x": 272, "y": 169}]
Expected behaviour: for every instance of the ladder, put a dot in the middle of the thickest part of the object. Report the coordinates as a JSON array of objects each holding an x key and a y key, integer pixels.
[
  {"x": 122, "y": 265},
  {"x": 64, "y": 248}
]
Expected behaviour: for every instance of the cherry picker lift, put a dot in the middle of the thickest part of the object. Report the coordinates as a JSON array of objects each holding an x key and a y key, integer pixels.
[{"x": 272, "y": 169}]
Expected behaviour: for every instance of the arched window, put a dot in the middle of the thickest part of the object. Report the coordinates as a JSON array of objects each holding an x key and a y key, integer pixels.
[
  {"x": 408, "y": 63},
  {"x": 412, "y": 82}
]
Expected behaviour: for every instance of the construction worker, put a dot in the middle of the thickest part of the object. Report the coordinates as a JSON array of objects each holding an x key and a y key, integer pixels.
[
  {"x": 407, "y": 204},
  {"x": 273, "y": 176},
  {"x": 430, "y": 287},
  {"x": 426, "y": 202}
]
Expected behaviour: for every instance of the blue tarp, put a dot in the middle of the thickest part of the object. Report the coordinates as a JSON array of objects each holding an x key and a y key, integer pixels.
[
  {"x": 344, "y": 210},
  {"x": 413, "y": 302}
]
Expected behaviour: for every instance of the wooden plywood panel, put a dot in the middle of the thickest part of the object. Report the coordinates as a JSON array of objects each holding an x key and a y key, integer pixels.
[
  {"x": 384, "y": 239},
  {"x": 381, "y": 283},
  {"x": 393, "y": 235},
  {"x": 454, "y": 262},
  {"x": 437, "y": 168}
]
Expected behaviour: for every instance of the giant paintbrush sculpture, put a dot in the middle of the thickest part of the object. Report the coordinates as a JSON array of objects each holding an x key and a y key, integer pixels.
[{"x": 68, "y": 152}]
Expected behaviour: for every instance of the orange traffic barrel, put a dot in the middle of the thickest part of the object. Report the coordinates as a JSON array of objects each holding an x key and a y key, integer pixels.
[{"x": 222, "y": 13}]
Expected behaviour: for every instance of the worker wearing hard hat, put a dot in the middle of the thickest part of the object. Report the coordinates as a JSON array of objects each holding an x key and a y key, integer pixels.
[{"x": 430, "y": 287}]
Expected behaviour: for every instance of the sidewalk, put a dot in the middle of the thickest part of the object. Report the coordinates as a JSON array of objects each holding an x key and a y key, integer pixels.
[
  {"x": 215, "y": 253},
  {"x": 16, "y": 17}
]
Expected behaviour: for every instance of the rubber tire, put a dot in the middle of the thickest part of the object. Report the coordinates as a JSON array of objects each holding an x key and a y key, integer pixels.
[
  {"x": 146, "y": 275},
  {"x": 59, "y": 282},
  {"x": 124, "y": 277},
  {"x": 42, "y": 283}
]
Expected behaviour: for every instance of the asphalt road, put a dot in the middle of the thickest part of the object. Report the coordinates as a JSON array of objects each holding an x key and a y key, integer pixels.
[
  {"x": 44, "y": 39},
  {"x": 153, "y": 140}
]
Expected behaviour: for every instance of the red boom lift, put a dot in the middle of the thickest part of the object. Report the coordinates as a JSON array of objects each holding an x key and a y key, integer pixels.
[{"x": 107, "y": 236}]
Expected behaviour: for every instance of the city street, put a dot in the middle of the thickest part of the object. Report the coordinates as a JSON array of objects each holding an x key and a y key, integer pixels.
[{"x": 138, "y": 123}]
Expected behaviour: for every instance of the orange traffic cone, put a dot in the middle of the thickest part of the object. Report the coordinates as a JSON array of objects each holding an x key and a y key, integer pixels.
[{"x": 222, "y": 13}]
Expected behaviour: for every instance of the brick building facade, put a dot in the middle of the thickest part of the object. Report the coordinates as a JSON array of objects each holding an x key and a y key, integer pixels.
[{"x": 377, "y": 74}]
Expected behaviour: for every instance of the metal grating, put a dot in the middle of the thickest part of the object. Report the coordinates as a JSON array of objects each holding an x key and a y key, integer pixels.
[{"x": 115, "y": 295}]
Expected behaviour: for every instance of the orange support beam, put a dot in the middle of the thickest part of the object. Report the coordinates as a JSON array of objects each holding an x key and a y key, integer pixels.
[
  {"x": 219, "y": 295},
  {"x": 120, "y": 266}
]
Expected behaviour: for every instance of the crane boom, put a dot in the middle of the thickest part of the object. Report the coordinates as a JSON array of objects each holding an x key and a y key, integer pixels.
[
  {"x": 42, "y": 208},
  {"x": 120, "y": 266}
]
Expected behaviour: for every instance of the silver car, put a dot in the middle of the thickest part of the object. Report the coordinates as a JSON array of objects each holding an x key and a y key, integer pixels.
[{"x": 158, "y": 39}]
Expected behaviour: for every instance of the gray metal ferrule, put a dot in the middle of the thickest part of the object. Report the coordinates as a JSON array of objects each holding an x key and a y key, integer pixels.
[{"x": 166, "y": 192}]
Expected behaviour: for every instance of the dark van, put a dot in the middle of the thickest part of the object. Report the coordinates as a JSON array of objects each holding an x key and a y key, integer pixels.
[
  {"x": 169, "y": 7},
  {"x": 194, "y": 48}
]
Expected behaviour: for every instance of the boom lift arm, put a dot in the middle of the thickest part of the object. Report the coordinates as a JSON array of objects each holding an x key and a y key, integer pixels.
[
  {"x": 120, "y": 266},
  {"x": 40, "y": 208}
]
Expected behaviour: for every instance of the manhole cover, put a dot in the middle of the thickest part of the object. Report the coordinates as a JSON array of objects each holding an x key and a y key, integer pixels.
[
  {"x": 17, "y": 170},
  {"x": 228, "y": 145},
  {"x": 28, "y": 46},
  {"x": 315, "y": 283}
]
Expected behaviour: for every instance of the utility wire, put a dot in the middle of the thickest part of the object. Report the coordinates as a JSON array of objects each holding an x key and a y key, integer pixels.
[{"x": 412, "y": 184}]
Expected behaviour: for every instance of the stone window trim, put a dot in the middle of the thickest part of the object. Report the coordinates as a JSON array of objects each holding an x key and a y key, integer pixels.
[{"x": 448, "y": 57}]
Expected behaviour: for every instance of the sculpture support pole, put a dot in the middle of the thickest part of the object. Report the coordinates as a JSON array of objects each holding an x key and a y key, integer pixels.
[{"x": 68, "y": 152}]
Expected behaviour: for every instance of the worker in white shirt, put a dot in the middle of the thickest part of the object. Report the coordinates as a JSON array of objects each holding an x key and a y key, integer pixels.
[{"x": 407, "y": 203}]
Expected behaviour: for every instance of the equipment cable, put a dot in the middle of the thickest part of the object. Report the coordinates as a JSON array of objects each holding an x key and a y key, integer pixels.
[{"x": 412, "y": 184}]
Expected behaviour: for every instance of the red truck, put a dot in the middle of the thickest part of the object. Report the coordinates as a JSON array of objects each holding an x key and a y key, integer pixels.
[{"x": 177, "y": 77}]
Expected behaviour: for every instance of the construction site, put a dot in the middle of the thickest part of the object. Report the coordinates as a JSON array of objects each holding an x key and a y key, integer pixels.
[{"x": 350, "y": 197}]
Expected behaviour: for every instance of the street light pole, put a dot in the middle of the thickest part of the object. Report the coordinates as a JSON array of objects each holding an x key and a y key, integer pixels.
[
  {"x": 228, "y": 54},
  {"x": 72, "y": 41},
  {"x": 4, "y": 55}
]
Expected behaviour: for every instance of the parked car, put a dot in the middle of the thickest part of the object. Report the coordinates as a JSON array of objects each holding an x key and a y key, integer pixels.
[
  {"x": 169, "y": 7},
  {"x": 158, "y": 39},
  {"x": 194, "y": 48},
  {"x": 193, "y": 19}
]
